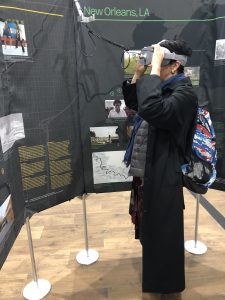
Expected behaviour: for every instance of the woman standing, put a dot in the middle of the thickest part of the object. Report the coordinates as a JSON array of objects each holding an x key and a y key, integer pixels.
[{"x": 165, "y": 99}]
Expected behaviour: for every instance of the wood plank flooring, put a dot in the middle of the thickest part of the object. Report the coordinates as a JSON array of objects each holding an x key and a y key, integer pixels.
[{"x": 58, "y": 235}]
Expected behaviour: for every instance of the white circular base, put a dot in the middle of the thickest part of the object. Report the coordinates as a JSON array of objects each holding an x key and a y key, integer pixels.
[
  {"x": 36, "y": 290},
  {"x": 85, "y": 257},
  {"x": 195, "y": 247}
]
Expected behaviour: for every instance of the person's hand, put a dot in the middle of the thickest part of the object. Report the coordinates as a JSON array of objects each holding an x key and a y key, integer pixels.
[
  {"x": 140, "y": 69},
  {"x": 158, "y": 55},
  {"x": 139, "y": 72},
  {"x": 157, "y": 59}
]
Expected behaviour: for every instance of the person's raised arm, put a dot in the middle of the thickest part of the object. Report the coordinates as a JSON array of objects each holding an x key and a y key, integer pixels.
[
  {"x": 139, "y": 72},
  {"x": 157, "y": 59}
]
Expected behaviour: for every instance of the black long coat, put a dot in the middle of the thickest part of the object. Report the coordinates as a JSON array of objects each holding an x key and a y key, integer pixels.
[{"x": 170, "y": 113}]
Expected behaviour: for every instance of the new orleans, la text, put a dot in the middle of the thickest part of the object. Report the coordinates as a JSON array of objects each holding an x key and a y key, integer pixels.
[{"x": 116, "y": 12}]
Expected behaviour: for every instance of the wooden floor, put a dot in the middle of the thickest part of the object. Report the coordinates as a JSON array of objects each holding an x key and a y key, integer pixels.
[{"x": 58, "y": 235}]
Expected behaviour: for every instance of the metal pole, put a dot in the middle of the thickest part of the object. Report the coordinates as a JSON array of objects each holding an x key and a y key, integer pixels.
[
  {"x": 85, "y": 221},
  {"x": 197, "y": 218},
  {"x": 195, "y": 246},
  {"x": 38, "y": 288},
  {"x": 86, "y": 256},
  {"x": 34, "y": 269}
]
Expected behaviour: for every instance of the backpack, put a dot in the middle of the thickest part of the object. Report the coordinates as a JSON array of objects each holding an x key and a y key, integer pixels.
[{"x": 200, "y": 172}]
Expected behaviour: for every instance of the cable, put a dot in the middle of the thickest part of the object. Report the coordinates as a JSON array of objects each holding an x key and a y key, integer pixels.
[
  {"x": 126, "y": 50},
  {"x": 92, "y": 33},
  {"x": 105, "y": 39}
]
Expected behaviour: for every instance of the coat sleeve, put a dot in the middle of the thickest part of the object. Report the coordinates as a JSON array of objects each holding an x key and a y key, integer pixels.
[
  {"x": 166, "y": 113},
  {"x": 130, "y": 95}
]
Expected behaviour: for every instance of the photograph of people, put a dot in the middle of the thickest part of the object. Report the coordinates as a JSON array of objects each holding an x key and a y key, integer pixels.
[
  {"x": 166, "y": 106},
  {"x": 117, "y": 111},
  {"x": 13, "y": 38}
]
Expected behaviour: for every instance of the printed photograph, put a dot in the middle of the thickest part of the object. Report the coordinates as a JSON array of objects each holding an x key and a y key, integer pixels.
[
  {"x": 11, "y": 130},
  {"x": 111, "y": 137},
  {"x": 109, "y": 167},
  {"x": 220, "y": 49},
  {"x": 104, "y": 135},
  {"x": 6, "y": 214},
  {"x": 13, "y": 38},
  {"x": 116, "y": 109},
  {"x": 193, "y": 73}
]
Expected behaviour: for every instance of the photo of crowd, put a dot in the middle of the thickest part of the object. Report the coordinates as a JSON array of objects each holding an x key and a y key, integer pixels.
[{"x": 13, "y": 37}]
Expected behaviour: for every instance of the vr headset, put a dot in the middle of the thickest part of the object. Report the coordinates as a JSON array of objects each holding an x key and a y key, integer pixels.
[{"x": 147, "y": 53}]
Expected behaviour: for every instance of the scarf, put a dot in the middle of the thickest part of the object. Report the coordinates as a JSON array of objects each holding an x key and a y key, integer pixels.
[
  {"x": 138, "y": 120},
  {"x": 172, "y": 79}
]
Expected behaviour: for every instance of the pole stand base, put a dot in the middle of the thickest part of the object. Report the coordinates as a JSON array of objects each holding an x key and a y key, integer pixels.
[
  {"x": 87, "y": 257},
  {"x": 36, "y": 290},
  {"x": 195, "y": 247}
]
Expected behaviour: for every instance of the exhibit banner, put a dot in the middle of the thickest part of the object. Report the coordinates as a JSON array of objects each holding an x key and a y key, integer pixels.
[
  {"x": 107, "y": 55},
  {"x": 41, "y": 161}
]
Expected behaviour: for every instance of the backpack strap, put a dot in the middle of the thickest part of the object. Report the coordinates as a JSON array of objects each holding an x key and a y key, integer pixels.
[{"x": 190, "y": 137}]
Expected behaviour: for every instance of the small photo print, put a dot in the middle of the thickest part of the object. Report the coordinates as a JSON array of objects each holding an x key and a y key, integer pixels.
[
  {"x": 104, "y": 135},
  {"x": 109, "y": 138},
  {"x": 11, "y": 130},
  {"x": 6, "y": 213},
  {"x": 116, "y": 109},
  {"x": 193, "y": 73},
  {"x": 109, "y": 167},
  {"x": 13, "y": 38},
  {"x": 220, "y": 50}
]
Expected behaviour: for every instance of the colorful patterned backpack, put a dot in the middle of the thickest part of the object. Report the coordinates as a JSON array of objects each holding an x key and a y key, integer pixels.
[{"x": 200, "y": 172}]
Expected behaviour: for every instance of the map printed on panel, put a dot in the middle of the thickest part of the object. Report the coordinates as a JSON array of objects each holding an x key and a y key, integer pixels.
[{"x": 109, "y": 167}]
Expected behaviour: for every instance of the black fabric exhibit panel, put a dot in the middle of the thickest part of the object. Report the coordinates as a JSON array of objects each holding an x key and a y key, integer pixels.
[
  {"x": 41, "y": 162},
  {"x": 135, "y": 25}
]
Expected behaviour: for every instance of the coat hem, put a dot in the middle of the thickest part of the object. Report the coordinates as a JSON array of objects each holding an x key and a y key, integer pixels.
[{"x": 163, "y": 290}]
